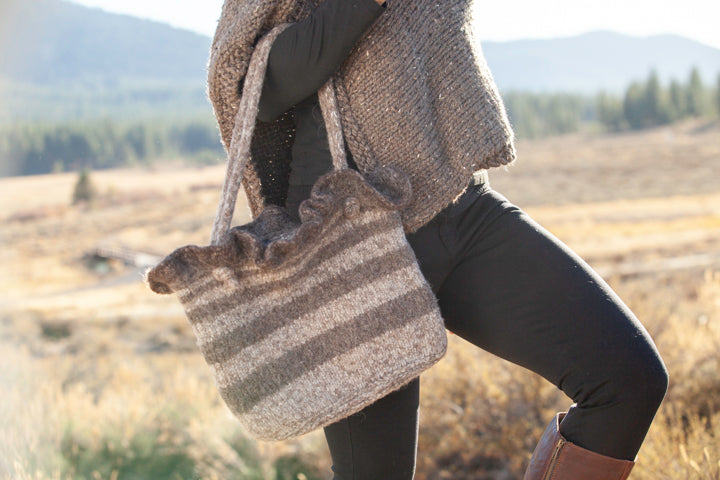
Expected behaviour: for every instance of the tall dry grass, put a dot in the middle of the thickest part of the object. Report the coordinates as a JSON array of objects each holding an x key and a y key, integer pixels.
[
  {"x": 112, "y": 416},
  {"x": 97, "y": 409}
]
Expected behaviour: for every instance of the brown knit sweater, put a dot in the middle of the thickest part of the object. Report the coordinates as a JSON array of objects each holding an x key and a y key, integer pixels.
[{"x": 415, "y": 94}]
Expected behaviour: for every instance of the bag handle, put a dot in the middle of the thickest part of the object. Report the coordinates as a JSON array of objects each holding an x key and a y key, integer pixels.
[
  {"x": 240, "y": 143},
  {"x": 331, "y": 115}
]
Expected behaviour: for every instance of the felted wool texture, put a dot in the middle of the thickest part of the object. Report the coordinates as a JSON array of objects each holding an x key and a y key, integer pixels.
[
  {"x": 305, "y": 324},
  {"x": 415, "y": 94}
]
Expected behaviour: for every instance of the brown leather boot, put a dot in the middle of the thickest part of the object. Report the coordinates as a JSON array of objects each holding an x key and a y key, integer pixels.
[{"x": 557, "y": 459}]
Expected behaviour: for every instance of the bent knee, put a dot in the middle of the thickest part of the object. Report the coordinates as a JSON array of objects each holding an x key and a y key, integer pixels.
[
  {"x": 638, "y": 382},
  {"x": 641, "y": 385},
  {"x": 649, "y": 383}
]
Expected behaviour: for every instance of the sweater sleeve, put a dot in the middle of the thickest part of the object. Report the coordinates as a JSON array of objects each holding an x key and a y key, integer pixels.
[{"x": 307, "y": 53}]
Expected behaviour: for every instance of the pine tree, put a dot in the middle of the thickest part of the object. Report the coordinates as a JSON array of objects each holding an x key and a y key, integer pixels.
[
  {"x": 652, "y": 100},
  {"x": 610, "y": 112},
  {"x": 717, "y": 95},
  {"x": 657, "y": 110},
  {"x": 634, "y": 106},
  {"x": 678, "y": 101},
  {"x": 695, "y": 94}
]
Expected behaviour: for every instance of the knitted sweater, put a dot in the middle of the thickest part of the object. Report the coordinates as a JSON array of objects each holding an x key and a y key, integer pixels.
[{"x": 415, "y": 94}]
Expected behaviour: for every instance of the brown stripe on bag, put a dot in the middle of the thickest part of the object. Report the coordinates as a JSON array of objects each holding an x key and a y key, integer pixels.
[
  {"x": 220, "y": 349},
  {"x": 197, "y": 308},
  {"x": 273, "y": 376}
]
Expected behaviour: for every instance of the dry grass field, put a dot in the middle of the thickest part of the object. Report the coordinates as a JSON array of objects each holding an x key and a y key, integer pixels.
[{"x": 100, "y": 378}]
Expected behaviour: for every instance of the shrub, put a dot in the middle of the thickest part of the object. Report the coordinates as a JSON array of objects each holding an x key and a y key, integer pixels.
[{"x": 84, "y": 191}]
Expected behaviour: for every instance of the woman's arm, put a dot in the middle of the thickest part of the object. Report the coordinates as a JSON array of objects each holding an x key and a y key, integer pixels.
[{"x": 307, "y": 53}]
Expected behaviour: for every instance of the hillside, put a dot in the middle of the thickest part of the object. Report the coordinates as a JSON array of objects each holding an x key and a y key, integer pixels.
[
  {"x": 61, "y": 61},
  {"x": 55, "y": 42},
  {"x": 58, "y": 43},
  {"x": 596, "y": 61}
]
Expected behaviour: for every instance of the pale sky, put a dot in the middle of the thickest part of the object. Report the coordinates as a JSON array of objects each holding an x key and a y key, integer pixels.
[{"x": 500, "y": 19}]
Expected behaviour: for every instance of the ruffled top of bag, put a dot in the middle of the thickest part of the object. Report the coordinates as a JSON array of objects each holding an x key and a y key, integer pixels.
[{"x": 273, "y": 238}]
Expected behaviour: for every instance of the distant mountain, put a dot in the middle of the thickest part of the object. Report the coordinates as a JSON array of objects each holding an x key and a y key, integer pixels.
[
  {"x": 596, "y": 61},
  {"x": 53, "y": 42},
  {"x": 60, "y": 61}
]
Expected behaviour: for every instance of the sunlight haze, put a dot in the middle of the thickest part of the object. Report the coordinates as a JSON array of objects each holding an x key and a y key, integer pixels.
[{"x": 499, "y": 21}]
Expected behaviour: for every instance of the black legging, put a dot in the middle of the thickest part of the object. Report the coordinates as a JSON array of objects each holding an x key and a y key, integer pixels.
[{"x": 508, "y": 286}]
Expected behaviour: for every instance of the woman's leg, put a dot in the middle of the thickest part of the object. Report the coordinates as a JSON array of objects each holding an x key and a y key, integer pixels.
[
  {"x": 517, "y": 292},
  {"x": 379, "y": 442},
  {"x": 511, "y": 288}
]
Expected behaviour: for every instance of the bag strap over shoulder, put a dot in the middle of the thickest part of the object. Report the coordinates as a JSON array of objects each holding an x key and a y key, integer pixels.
[{"x": 239, "y": 150}]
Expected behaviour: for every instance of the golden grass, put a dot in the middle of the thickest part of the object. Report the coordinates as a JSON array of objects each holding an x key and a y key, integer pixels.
[
  {"x": 113, "y": 385},
  {"x": 101, "y": 379}
]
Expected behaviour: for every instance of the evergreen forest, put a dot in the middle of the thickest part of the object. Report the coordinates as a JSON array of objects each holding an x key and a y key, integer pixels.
[{"x": 31, "y": 146}]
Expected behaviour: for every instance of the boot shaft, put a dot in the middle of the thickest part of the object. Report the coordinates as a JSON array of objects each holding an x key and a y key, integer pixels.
[{"x": 555, "y": 458}]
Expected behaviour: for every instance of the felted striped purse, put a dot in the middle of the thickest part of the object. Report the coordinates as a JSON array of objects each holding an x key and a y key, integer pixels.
[{"x": 303, "y": 324}]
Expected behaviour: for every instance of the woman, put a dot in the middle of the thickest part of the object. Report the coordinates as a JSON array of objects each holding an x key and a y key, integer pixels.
[{"x": 503, "y": 283}]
